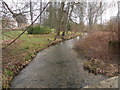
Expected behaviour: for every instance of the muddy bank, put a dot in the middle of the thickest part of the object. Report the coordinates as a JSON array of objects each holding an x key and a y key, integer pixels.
[{"x": 99, "y": 67}]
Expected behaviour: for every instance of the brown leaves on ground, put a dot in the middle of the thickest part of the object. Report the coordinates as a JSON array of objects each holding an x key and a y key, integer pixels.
[{"x": 98, "y": 66}]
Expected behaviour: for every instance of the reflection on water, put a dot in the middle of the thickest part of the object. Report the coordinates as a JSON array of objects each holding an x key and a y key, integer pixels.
[
  {"x": 56, "y": 67},
  {"x": 78, "y": 37}
]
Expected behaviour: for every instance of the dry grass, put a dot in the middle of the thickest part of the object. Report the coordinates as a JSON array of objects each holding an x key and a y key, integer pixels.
[{"x": 95, "y": 45}]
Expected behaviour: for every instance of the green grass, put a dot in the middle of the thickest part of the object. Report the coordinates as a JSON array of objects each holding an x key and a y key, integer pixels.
[
  {"x": 29, "y": 41},
  {"x": 9, "y": 72},
  {"x": 12, "y": 34}
]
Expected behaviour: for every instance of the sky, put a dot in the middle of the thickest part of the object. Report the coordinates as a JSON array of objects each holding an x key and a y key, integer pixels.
[{"x": 111, "y": 11}]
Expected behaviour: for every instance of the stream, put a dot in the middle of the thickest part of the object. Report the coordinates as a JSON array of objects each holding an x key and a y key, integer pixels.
[{"x": 58, "y": 66}]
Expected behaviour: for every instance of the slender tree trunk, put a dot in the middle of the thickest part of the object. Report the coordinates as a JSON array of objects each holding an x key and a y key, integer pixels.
[
  {"x": 40, "y": 10},
  {"x": 90, "y": 18},
  {"x": 31, "y": 13},
  {"x": 51, "y": 14},
  {"x": 66, "y": 16}
]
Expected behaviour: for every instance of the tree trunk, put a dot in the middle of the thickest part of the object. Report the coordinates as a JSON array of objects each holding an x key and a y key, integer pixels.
[
  {"x": 40, "y": 10},
  {"x": 59, "y": 21},
  {"x": 31, "y": 13},
  {"x": 66, "y": 20}
]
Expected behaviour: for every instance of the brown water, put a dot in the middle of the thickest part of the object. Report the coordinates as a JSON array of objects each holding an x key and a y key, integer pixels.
[{"x": 58, "y": 66}]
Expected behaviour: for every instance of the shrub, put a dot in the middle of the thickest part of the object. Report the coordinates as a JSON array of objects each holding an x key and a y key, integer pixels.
[
  {"x": 96, "y": 45},
  {"x": 39, "y": 30}
]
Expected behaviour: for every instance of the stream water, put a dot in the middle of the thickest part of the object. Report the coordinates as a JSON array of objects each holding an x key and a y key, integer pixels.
[{"x": 58, "y": 66}]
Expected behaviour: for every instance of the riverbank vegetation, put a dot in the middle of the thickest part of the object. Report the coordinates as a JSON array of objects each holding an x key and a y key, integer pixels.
[{"x": 101, "y": 49}]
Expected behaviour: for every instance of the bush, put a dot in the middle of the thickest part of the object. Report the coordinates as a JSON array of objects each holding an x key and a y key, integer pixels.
[{"x": 39, "y": 30}]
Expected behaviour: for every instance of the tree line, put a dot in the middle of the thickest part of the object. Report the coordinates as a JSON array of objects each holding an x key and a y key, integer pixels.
[{"x": 61, "y": 16}]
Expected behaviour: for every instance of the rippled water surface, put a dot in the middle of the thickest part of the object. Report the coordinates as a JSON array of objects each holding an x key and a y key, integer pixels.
[{"x": 58, "y": 66}]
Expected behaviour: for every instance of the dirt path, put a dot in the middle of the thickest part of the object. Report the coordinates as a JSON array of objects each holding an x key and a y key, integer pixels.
[{"x": 58, "y": 66}]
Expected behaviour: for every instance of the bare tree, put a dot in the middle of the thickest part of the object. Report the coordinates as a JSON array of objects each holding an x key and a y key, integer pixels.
[
  {"x": 66, "y": 19},
  {"x": 40, "y": 10},
  {"x": 19, "y": 17},
  {"x": 95, "y": 10},
  {"x": 31, "y": 11}
]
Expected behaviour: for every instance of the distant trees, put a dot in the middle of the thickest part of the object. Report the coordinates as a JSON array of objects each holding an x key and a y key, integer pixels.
[
  {"x": 19, "y": 17},
  {"x": 7, "y": 22},
  {"x": 80, "y": 13},
  {"x": 52, "y": 13},
  {"x": 60, "y": 16},
  {"x": 95, "y": 11},
  {"x": 64, "y": 18},
  {"x": 59, "y": 13}
]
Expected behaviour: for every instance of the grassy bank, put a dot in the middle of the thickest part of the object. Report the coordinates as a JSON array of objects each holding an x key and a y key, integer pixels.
[{"x": 19, "y": 54}]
